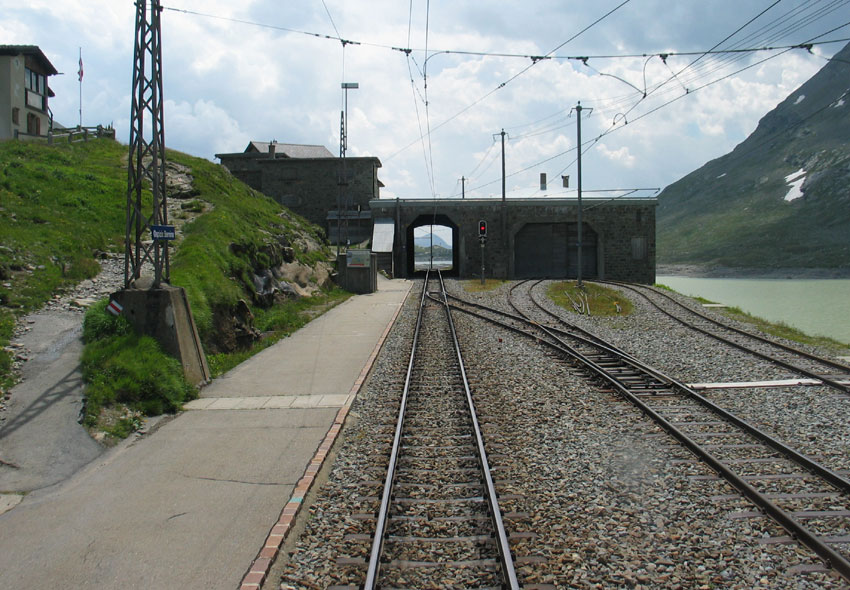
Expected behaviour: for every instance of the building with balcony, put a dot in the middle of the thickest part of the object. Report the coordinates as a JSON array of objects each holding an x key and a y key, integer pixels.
[{"x": 24, "y": 91}]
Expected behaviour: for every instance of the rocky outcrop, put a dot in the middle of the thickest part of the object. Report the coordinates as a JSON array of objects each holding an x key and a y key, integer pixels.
[
  {"x": 233, "y": 329},
  {"x": 275, "y": 276}
]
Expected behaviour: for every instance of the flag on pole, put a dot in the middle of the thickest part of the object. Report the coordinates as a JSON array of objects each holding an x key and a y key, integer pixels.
[{"x": 80, "y": 71}]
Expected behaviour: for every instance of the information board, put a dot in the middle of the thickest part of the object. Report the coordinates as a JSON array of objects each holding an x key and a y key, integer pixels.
[{"x": 358, "y": 258}]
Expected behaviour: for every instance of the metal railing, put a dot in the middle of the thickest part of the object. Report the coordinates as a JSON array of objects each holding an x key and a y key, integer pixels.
[{"x": 72, "y": 135}]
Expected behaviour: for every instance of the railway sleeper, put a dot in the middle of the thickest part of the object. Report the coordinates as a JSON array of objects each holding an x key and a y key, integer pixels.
[{"x": 470, "y": 573}]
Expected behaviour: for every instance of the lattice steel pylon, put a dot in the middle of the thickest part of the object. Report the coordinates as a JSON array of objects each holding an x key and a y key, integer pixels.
[{"x": 147, "y": 156}]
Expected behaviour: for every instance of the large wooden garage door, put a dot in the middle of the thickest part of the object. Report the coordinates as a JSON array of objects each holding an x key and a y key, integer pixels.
[
  {"x": 540, "y": 251},
  {"x": 589, "y": 270}
]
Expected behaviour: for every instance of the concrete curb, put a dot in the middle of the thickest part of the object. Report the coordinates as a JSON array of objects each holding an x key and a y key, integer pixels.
[{"x": 259, "y": 570}]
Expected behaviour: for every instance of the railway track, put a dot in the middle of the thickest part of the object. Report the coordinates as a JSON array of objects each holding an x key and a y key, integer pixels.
[
  {"x": 808, "y": 500},
  {"x": 829, "y": 372},
  {"x": 439, "y": 523}
]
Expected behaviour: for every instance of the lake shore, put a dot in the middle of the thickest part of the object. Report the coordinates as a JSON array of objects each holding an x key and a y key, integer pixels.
[{"x": 698, "y": 271}]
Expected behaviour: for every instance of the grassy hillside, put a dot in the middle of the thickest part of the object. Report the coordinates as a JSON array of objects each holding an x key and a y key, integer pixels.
[
  {"x": 61, "y": 206},
  {"x": 733, "y": 212}
]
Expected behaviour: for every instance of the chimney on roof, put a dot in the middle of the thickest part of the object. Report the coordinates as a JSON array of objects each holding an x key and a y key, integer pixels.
[{"x": 272, "y": 148}]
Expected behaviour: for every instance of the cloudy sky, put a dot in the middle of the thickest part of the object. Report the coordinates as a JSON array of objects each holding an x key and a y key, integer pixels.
[{"x": 265, "y": 69}]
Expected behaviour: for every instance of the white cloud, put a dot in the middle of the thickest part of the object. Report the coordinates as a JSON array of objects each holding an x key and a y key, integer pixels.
[
  {"x": 620, "y": 156},
  {"x": 227, "y": 83},
  {"x": 202, "y": 123}
]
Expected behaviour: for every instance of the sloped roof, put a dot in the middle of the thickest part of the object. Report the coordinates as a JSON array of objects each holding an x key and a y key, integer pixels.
[
  {"x": 31, "y": 50},
  {"x": 290, "y": 150}
]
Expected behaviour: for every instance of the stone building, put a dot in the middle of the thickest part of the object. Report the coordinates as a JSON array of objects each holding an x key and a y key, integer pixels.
[
  {"x": 526, "y": 238},
  {"x": 333, "y": 193},
  {"x": 24, "y": 92}
]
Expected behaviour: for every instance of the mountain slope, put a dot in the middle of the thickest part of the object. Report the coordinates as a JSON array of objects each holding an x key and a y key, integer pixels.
[
  {"x": 781, "y": 198},
  {"x": 425, "y": 241},
  {"x": 62, "y": 205}
]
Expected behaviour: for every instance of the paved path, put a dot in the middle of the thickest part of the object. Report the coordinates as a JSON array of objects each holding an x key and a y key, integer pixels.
[
  {"x": 41, "y": 441},
  {"x": 192, "y": 505}
]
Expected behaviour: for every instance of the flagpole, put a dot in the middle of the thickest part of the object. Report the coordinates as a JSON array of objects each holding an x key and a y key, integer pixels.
[{"x": 80, "y": 76}]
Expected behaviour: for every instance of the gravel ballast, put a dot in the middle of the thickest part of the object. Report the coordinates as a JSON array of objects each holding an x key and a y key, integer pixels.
[{"x": 599, "y": 496}]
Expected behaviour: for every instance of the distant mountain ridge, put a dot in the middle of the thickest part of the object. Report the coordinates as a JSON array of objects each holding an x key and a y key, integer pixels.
[
  {"x": 781, "y": 198},
  {"x": 425, "y": 241}
]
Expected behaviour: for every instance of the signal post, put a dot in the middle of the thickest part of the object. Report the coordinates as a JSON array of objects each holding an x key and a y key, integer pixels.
[{"x": 482, "y": 239}]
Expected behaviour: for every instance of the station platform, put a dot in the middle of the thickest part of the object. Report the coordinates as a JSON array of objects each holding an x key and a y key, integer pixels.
[{"x": 206, "y": 499}]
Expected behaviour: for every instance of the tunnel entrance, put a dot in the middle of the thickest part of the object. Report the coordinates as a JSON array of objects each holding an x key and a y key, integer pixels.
[{"x": 432, "y": 243}]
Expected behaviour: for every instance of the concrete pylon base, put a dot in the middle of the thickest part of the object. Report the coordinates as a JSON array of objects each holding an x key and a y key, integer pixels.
[{"x": 163, "y": 313}]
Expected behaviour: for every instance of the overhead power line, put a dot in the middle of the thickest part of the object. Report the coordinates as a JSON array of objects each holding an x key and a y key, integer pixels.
[{"x": 534, "y": 57}]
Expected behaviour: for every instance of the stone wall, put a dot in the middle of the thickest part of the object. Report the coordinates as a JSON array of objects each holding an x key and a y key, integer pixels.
[
  {"x": 309, "y": 186},
  {"x": 625, "y": 232}
]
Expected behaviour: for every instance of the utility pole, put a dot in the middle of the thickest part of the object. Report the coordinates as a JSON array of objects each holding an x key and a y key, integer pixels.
[
  {"x": 578, "y": 110},
  {"x": 504, "y": 216},
  {"x": 462, "y": 187},
  {"x": 147, "y": 158},
  {"x": 158, "y": 310},
  {"x": 342, "y": 181},
  {"x": 503, "y": 165}
]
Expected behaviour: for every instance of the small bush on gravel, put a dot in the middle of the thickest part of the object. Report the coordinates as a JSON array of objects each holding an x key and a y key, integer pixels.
[{"x": 123, "y": 367}]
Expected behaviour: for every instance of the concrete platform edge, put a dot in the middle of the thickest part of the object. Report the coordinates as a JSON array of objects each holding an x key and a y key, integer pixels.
[{"x": 256, "y": 575}]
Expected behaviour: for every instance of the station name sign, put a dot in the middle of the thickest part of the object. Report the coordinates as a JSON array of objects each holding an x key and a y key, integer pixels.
[{"x": 163, "y": 232}]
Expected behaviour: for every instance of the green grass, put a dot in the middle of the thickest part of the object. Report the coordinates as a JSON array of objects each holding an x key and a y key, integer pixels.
[
  {"x": 783, "y": 330},
  {"x": 123, "y": 367},
  {"x": 778, "y": 329},
  {"x": 214, "y": 274},
  {"x": 475, "y": 286},
  {"x": 7, "y": 326},
  {"x": 276, "y": 323},
  {"x": 603, "y": 301},
  {"x": 60, "y": 206}
]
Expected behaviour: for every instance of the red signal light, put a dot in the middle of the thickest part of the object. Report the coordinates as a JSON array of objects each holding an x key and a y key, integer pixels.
[{"x": 482, "y": 228}]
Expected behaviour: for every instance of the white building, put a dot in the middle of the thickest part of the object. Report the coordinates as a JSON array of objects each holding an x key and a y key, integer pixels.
[{"x": 24, "y": 91}]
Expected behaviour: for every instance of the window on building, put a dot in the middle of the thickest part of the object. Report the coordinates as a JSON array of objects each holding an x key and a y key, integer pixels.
[
  {"x": 639, "y": 248},
  {"x": 35, "y": 82},
  {"x": 33, "y": 124}
]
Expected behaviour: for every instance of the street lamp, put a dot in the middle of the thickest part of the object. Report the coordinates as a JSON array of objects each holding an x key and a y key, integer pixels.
[
  {"x": 343, "y": 146},
  {"x": 346, "y": 86}
]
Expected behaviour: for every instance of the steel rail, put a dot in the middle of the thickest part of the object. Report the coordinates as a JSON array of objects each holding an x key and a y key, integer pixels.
[
  {"x": 790, "y": 366},
  {"x": 584, "y": 336},
  {"x": 502, "y": 542},
  {"x": 785, "y": 347},
  {"x": 383, "y": 511},
  {"x": 492, "y": 498},
  {"x": 791, "y": 454},
  {"x": 782, "y": 517}
]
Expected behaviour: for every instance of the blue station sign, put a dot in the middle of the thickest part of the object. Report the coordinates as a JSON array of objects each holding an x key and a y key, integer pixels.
[{"x": 163, "y": 232}]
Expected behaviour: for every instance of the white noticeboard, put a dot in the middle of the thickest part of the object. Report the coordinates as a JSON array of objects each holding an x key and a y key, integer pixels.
[
  {"x": 383, "y": 234},
  {"x": 358, "y": 258}
]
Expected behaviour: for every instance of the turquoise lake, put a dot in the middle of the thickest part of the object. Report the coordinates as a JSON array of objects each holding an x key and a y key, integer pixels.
[{"x": 815, "y": 306}]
